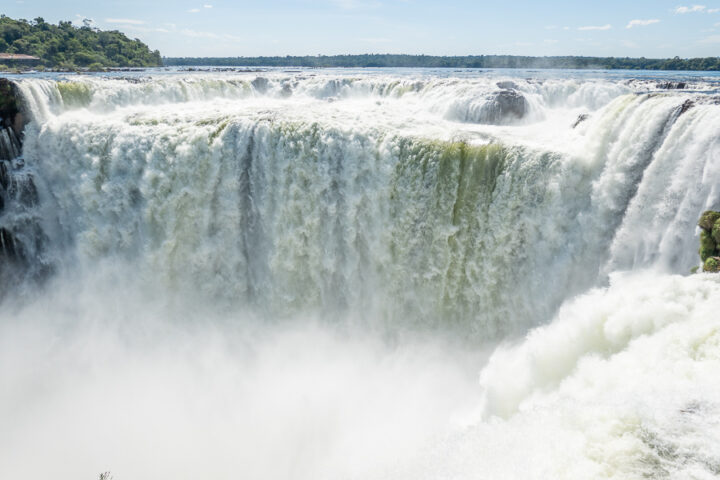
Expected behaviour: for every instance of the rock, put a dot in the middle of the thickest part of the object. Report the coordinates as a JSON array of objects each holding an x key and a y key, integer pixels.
[
  {"x": 712, "y": 264},
  {"x": 687, "y": 105},
  {"x": 708, "y": 248},
  {"x": 504, "y": 107},
  {"x": 507, "y": 85},
  {"x": 261, "y": 84},
  {"x": 708, "y": 219},
  {"x": 286, "y": 90},
  {"x": 672, "y": 85},
  {"x": 581, "y": 118}
]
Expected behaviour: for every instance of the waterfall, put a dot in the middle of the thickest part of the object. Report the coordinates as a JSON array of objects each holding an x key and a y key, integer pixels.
[{"x": 339, "y": 246}]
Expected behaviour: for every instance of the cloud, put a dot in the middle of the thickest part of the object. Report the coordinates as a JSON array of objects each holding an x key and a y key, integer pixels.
[
  {"x": 194, "y": 10},
  {"x": 713, "y": 10},
  {"x": 550, "y": 41},
  {"x": 642, "y": 23},
  {"x": 692, "y": 9},
  {"x": 195, "y": 34},
  {"x": 375, "y": 40},
  {"x": 127, "y": 21},
  {"x": 354, "y": 4},
  {"x": 711, "y": 39},
  {"x": 591, "y": 27},
  {"x": 207, "y": 6}
]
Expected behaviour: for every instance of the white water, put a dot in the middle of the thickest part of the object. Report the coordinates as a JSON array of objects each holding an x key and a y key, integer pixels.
[{"x": 303, "y": 276}]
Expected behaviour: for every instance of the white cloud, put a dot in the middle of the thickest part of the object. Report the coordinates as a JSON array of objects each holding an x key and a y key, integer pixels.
[
  {"x": 550, "y": 41},
  {"x": 375, "y": 40},
  {"x": 592, "y": 27},
  {"x": 642, "y": 23},
  {"x": 195, "y": 34},
  {"x": 550, "y": 27},
  {"x": 127, "y": 21},
  {"x": 353, "y": 4},
  {"x": 692, "y": 9},
  {"x": 194, "y": 10},
  {"x": 711, "y": 39},
  {"x": 713, "y": 10},
  {"x": 207, "y": 6}
]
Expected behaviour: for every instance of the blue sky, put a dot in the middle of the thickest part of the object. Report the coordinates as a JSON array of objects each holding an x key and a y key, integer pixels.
[{"x": 634, "y": 28}]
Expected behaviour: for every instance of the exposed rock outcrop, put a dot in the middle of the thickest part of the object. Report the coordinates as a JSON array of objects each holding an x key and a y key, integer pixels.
[
  {"x": 672, "y": 85},
  {"x": 503, "y": 107}
]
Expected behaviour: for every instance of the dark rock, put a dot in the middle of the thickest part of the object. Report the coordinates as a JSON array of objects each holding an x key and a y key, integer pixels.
[
  {"x": 672, "y": 85},
  {"x": 687, "y": 105},
  {"x": 503, "y": 107},
  {"x": 507, "y": 85},
  {"x": 581, "y": 118}
]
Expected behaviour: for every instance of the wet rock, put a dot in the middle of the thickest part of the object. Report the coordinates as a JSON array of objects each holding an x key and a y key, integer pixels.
[
  {"x": 503, "y": 107},
  {"x": 286, "y": 90},
  {"x": 261, "y": 84},
  {"x": 581, "y": 118},
  {"x": 687, "y": 105},
  {"x": 507, "y": 85},
  {"x": 671, "y": 85}
]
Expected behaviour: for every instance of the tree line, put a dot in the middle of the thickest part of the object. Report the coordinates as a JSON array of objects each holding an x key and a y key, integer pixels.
[
  {"x": 473, "y": 61},
  {"x": 67, "y": 47}
]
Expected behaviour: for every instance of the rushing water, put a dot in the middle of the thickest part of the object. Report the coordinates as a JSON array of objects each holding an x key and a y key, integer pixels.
[{"x": 303, "y": 275}]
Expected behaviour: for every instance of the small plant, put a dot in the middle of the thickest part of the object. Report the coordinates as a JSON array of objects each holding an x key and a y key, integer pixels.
[{"x": 106, "y": 476}]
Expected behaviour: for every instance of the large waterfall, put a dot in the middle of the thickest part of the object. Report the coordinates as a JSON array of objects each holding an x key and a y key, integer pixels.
[{"x": 303, "y": 275}]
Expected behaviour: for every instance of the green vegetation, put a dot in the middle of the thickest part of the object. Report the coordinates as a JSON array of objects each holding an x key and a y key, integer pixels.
[
  {"x": 479, "y": 61},
  {"x": 707, "y": 246},
  {"x": 67, "y": 47},
  {"x": 711, "y": 265},
  {"x": 710, "y": 224}
]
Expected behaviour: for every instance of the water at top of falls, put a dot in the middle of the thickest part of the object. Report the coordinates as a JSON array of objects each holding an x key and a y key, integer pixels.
[{"x": 381, "y": 274}]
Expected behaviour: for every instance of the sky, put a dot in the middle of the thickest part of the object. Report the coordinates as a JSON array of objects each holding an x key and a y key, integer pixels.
[{"x": 633, "y": 28}]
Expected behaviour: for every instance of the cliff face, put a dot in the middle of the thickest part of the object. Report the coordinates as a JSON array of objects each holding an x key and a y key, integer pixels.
[
  {"x": 20, "y": 234},
  {"x": 12, "y": 121}
]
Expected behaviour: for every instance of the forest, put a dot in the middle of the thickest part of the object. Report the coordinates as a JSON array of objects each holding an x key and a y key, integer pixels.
[
  {"x": 67, "y": 47},
  {"x": 479, "y": 61}
]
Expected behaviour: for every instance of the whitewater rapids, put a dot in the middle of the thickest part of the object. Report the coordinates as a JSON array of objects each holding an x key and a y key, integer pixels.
[{"x": 347, "y": 274}]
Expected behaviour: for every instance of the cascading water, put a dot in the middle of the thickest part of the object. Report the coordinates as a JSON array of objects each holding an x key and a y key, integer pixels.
[{"x": 279, "y": 273}]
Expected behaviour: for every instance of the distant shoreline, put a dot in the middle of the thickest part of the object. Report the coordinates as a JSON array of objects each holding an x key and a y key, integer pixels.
[{"x": 707, "y": 64}]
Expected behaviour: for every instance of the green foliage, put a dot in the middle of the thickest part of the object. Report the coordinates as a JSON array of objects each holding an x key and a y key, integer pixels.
[
  {"x": 716, "y": 231},
  {"x": 68, "y": 47},
  {"x": 708, "y": 219},
  {"x": 694, "y": 269},
  {"x": 711, "y": 265},
  {"x": 476, "y": 61},
  {"x": 707, "y": 246}
]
